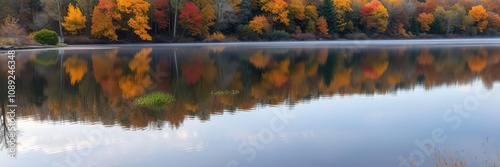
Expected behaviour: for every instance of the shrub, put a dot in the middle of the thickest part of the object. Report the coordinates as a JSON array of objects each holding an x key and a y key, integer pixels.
[
  {"x": 357, "y": 36},
  {"x": 306, "y": 37},
  {"x": 11, "y": 32},
  {"x": 45, "y": 36},
  {"x": 215, "y": 37},
  {"x": 155, "y": 100},
  {"x": 218, "y": 36},
  {"x": 246, "y": 33},
  {"x": 277, "y": 36}
]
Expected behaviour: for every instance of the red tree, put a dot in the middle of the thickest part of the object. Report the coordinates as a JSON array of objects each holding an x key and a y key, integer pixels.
[
  {"x": 161, "y": 11},
  {"x": 190, "y": 18}
]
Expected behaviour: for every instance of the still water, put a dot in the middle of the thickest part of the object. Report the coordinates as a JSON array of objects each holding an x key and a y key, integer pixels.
[{"x": 268, "y": 105}]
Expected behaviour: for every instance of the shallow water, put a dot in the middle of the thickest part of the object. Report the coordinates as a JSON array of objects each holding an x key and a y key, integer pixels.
[{"x": 257, "y": 104}]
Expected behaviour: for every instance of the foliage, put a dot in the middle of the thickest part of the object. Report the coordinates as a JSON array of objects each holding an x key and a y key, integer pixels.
[
  {"x": 277, "y": 9},
  {"x": 326, "y": 10},
  {"x": 10, "y": 29},
  {"x": 480, "y": 17},
  {"x": 161, "y": 13},
  {"x": 259, "y": 24},
  {"x": 75, "y": 20},
  {"x": 45, "y": 36},
  {"x": 343, "y": 9},
  {"x": 374, "y": 16},
  {"x": 297, "y": 9},
  {"x": 103, "y": 20},
  {"x": 245, "y": 32},
  {"x": 322, "y": 26},
  {"x": 494, "y": 21},
  {"x": 425, "y": 20},
  {"x": 217, "y": 36},
  {"x": 137, "y": 11},
  {"x": 155, "y": 100},
  {"x": 190, "y": 19},
  {"x": 276, "y": 35}
]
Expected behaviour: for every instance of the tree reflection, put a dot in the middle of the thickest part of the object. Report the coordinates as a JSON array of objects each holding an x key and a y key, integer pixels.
[{"x": 103, "y": 84}]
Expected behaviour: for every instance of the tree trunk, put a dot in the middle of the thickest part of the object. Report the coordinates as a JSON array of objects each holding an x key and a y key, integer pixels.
[
  {"x": 59, "y": 19},
  {"x": 175, "y": 21}
]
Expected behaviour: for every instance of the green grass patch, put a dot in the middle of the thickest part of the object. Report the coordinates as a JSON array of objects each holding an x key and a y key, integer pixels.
[
  {"x": 155, "y": 100},
  {"x": 61, "y": 44}
]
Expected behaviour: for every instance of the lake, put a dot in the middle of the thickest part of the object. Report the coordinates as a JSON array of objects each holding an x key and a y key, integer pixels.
[{"x": 344, "y": 103}]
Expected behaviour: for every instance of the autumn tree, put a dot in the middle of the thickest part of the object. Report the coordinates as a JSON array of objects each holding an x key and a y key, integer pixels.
[
  {"x": 342, "y": 10},
  {"x": 190, "y": 19},
  {"x": 374, "y": 16},
  {"x": 454, "y": 17},
  {"x": 425, "y": 20},
  {"x": 322, "y": 26},
  {"x": 480, "y": 17},
  {"x": 430, "y": 6},
  {"x": 438, "y": 26},
  {"x": 311, "y": 16},
  {"x": 75, "y": 20},
  {"x": 104, "y": 20},
  {"x": 297, "y": 9},
  {"x": 87, "y": 7},
  {"x": 277, "y": 10},
  {"x": 136, "y": 11},
  {"x": 326, "y": 10},
  {"x": 259, "y": 24},
  {"x": 161, "y": 13},
  {"x": 207, "y": 12},
  {"x": 493, "y": 21}
]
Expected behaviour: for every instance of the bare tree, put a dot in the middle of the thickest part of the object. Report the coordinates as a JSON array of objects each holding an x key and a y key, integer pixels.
[{"x": 224, "y": 13}]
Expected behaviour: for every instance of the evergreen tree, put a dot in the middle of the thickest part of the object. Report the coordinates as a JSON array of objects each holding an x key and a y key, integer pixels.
[{"x": 326, "y": 9}]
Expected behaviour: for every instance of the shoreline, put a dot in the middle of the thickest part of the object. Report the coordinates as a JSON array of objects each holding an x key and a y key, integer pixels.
[{"x": 290, "y": 44}]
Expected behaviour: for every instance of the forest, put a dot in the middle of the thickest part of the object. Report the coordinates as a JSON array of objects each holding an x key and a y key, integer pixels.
[
  {"x": 125, "y": 21},
  {"x": 102, "y": 85}
]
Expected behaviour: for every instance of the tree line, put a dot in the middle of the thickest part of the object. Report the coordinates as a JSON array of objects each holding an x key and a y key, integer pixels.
[{"x": 255, "y": 19}]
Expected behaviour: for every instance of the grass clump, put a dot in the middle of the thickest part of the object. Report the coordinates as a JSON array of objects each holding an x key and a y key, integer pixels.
[{"x": 155, "y": 100}]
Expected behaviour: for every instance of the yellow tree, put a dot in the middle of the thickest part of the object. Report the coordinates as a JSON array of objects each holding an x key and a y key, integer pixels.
[
  {"x": 75, "y": 20},
  {"x": 138, "y": 12},
  {"x": 259, "y": 24},
  {"x": 297, "y": 9},
  {"x": 103, "y": 20},
  {"x": 277, "y": 9},
  {"x": 425, "y": 20},
  {"x": 343, "y": 8},
  {"x": 480, "y": 17}
]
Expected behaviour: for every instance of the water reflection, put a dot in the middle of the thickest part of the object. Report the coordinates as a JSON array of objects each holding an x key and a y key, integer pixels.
[{"x": 100, "y": 86}]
